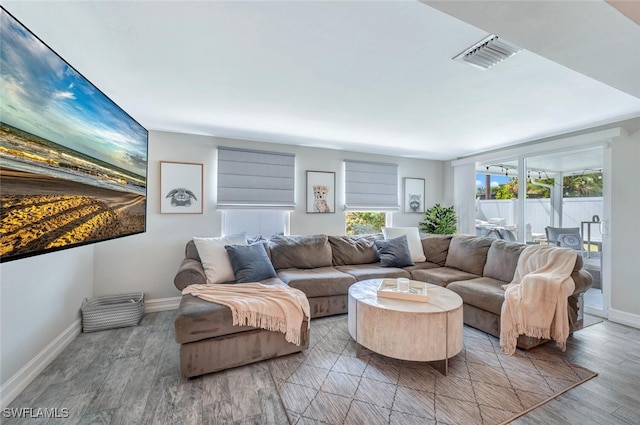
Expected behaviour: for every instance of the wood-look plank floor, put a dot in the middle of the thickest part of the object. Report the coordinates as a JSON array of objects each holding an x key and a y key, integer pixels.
[{"x": 130, "y": 376}]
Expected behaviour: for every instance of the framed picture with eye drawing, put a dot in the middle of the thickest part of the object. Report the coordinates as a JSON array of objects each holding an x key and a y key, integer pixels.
[
  {"x": 321, "y": 192},
  {"x": 413, "y": 195}
]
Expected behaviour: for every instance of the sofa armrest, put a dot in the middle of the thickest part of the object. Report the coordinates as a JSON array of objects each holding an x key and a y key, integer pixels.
[
  {"x": 583, "y": 281},
  {"x": 190, "y": 272}
]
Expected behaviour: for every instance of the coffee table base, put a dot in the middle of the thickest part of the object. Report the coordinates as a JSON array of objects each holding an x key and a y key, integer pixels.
[
  {"x": 430, "y": 332},
  {"x": 441, "y": 366}
]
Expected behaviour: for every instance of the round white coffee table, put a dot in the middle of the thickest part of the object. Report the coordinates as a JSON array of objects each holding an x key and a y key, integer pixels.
[{"x": 429, "y": 331}]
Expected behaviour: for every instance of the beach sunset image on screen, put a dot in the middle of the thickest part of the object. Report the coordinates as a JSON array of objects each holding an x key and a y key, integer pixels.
[{"x": 73, "y": 165}]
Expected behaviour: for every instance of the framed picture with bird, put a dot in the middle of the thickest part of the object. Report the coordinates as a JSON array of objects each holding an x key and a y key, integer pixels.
[{"x": 181, "y": 188}]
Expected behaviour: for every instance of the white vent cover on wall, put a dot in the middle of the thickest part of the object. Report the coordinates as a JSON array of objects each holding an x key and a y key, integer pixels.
[{"x": 487, "y": 52}]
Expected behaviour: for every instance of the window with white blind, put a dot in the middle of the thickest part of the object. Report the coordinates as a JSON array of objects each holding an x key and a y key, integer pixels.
[
  {"x": 255, "y": 223},
  {"x": 371, "y": 186},
  {"x": 255, "y": 179}
]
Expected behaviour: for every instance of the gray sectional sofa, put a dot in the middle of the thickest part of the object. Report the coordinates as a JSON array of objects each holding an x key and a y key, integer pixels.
[{"x": 323, "y": 267}]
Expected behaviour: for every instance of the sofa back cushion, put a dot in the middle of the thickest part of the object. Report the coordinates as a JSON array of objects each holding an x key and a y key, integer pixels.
[
  {"x": 435, "y": 248},
  {"x": 468, "y": 253},
  {"x": 302, "y": 252},
  {"x": 502, "y": 260},
  {"x": 357, "y": 249},
  {"x": 191, "y": 252}
]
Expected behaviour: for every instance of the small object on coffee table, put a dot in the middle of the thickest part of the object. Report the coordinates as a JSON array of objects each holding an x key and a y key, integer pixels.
[
  {"x": 417, "y": 291},
  {"x": 403, "y": 284}
]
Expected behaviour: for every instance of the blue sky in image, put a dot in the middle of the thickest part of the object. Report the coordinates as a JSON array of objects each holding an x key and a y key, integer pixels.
[
  {"x": 495, "y": 180},
  {"x": 43, "y": 95}
]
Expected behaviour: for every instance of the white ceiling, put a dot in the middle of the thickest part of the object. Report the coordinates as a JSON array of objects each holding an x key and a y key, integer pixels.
[{"x": 365, "y": 76}]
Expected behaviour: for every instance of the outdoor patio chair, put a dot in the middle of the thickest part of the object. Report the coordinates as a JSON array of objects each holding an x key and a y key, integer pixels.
[{"x": 568, "y": 237}]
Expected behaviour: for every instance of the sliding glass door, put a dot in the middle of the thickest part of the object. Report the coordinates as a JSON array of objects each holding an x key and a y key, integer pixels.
[{"x": 536, "y": 198}]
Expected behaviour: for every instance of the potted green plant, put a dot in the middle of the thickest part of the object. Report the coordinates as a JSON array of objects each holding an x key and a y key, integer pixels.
[{"x": 439, "y": 220}]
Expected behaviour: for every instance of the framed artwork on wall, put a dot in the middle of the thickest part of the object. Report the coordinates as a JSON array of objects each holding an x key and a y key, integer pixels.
[
  {"x": 321, "y": 193},
  {"x": 413, "y": 195},
  {"x": 180, "y": 188}
]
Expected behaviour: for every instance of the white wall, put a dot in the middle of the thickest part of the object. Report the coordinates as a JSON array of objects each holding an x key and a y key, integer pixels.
[
  {"x": 148, "y": 262},
  {"x": 40, "y": 297},
  {"x": 448, "y": 184},
  {"x": 625, "y": 230}
]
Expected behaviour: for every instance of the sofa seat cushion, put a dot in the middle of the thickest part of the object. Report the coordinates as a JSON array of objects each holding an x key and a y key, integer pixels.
[
  {"x": 198, "y": 319},
  {"x": 442, "y": 275},
  {"x": 421, "y": 266},
  {"x": 318, "y": 282},
  {"x": 373, "y": 271},
  {"x": 484, "y": 292}
]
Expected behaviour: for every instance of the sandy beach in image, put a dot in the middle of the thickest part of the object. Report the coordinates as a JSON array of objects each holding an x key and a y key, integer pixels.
[{"x": 40, "y": 213}]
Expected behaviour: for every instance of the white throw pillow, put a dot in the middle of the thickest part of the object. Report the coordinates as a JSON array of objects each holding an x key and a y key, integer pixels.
[
  {"x": 215, "y": 260},
  {"x": 413, "y": 238}
]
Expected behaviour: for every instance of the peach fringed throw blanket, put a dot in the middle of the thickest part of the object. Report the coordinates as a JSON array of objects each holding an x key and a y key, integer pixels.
[
  {"x": 276, "y": 308},
  {"x": 535, "y": 302}
]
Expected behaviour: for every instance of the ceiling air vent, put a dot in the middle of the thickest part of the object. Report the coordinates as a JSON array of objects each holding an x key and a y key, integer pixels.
[{"x": 487, "y": 52}]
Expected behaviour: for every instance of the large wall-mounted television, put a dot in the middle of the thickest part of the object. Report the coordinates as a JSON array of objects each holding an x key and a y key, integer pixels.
[{"x": 73, "y": 165}]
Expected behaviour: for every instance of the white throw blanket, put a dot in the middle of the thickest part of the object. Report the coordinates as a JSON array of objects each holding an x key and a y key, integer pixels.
[
  {"x": 276, "y": 308},
  {"x": 535, "y": 301}
]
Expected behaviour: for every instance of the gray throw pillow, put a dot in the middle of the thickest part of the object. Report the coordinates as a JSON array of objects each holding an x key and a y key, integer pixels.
[
  {"x": 394, "y": 252},
  {"x": 250, "y": 263}
]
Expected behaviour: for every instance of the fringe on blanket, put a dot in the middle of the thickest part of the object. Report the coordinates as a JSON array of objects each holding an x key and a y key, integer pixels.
[
  {"x": 264, "y": 321},
  {"x": 509, "y": 340}
]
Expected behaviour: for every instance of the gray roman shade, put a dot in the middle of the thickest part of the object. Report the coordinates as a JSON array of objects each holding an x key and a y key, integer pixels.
[
  {"x": 255, "y": 179},
  {"x": 371, "y": 186}
]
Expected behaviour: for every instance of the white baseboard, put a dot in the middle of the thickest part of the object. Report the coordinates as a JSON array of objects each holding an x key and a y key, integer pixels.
[
  {"x": 161, "y": 304},
  {"x": 595, "y": 312},
  {"x": 18, "y": 382},
  {"x": 624, "y": 318}
]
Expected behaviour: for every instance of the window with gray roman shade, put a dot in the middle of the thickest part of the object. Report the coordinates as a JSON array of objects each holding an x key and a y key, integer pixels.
[
  {"x": 255, "y": 179},
  {"x": 371, "y": 186}
]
